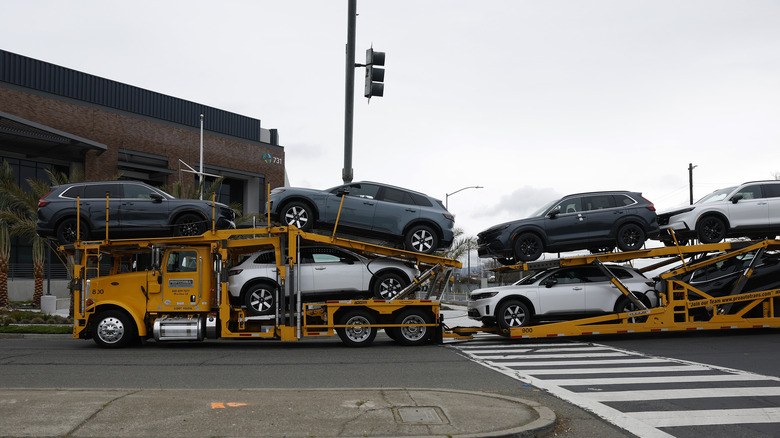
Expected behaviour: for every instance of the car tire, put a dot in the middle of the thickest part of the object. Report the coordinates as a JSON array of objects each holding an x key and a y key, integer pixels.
[
  {"x": 298, "y": 214},
  {"x": 711, "y": 229},
  {"x": 357, "y": 336},
  {"x": 624, "y": 305},
  {"x": 512, "y": 313},
  {"x": 630, "y": 237},
  {"x": 528, "y": 247},
  {"x": 114, "y": 329},
  {"x": 66, "y": 231},
  {"x": 412, "y": 335},
  {"x": 388, "y": 285},
  {"x": 189, "y": 224},
  {"x": 421, "y": 239},
  {"x": 506, "y": 261},
  {"x": 260, "y": 299}
]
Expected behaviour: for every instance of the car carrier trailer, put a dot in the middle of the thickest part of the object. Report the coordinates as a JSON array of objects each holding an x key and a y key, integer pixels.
[
  {"x": 176, "y": 289},
  {"x": 682, "y": 307}
]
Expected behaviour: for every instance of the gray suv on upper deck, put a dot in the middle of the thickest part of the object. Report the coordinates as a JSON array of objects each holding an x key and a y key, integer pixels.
[
  {"x": 370, "y": 209},
  {"x": 595, "y": 221},
  {"x": 135, "y": 209}
]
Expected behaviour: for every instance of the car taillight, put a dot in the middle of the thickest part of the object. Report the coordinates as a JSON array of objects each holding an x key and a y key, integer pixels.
[
  {"x": 449, "y": 216},
  {"x": 41, "y": 201},
  {"x": 234, "y": 272},
  {"x": 650, "y": 207}
]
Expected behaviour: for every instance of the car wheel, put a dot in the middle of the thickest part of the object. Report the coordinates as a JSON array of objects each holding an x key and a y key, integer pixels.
[
  {"x": 388, "y": 285},
  {"x": 299, "y": 215},
  {"x": 528, "y": 247},
  {"x": 113, "y": 329},
  {"x": 66, "y": 231},
  {"x": 260, "y": 299},
  {"x": 624, "y": 305},
  {"x": 630, "y": 237},
  {"x": 506, "y": 261},
  {"x": 357, "y": 336},
  {"x": 414, "y": 334},
  {"x": 189, "y": 224},
  {"x": 512, "y": 313},
  {"x": 711, "y": 229},
  {"x": 422, "y": 239}
]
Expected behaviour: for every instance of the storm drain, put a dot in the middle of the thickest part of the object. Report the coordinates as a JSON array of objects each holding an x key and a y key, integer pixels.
[{"x": 421, "y": 415}]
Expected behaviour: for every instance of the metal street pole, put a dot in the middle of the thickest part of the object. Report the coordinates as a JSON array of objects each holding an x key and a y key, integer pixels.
[
  {"x": 690, "y": 179},
  {"x": 447, "y": 196},
  {"x": 349, "y": 92}
]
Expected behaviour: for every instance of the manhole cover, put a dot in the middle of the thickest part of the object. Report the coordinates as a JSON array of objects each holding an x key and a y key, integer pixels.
[{"x": 421, "y": 415}]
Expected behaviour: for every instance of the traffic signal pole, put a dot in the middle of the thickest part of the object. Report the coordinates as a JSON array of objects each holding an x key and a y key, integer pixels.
[{"x": 349, "y": 92}]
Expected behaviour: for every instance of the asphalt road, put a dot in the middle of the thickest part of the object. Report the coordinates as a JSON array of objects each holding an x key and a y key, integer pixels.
[{"x": 61, "y": 362}]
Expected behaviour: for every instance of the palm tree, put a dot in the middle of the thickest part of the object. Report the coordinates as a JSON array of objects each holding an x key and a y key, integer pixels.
[
  {"x": 39, "y": 257},
  {"x": 5, "y": 253}
]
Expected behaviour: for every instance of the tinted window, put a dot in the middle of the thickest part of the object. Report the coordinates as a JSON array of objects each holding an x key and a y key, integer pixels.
[
  {"x": 368, "y": 191},
  {"x": 397, "y": 196},
  {"x": 623, "y": 200},
  {"x": 571, "y": 205},
  {"x": 74, "y": 192},
  {"x": 423, "y": 201},
  {"x": 598, "y": 202},
  {"x": 100, "y": 190},
  {"x": 137, "y": 191},
  {"x": 266, "y": 258},
  {"x": 772, "y": 190},
  {"x": 750, "y": 192}
]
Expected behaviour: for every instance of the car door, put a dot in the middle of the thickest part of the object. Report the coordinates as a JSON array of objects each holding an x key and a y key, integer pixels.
[
  {"x": 563, "y": 291},
  {"x": 568, "y": 225},
  {"x": 751, "y": 210},
  {"x": 772, "y": 194},
  {"x": 181, "y": 279},
  {"x": 601, "y": 214},
  {"x": 101, "y": 200},
  {"x": 601, "y": 294},
  {"x": 139, "y": 212},
  {"x": 333, "y": 269},
  {"x": 394, "y": 209},
  {"x": 358, "y": 206}
]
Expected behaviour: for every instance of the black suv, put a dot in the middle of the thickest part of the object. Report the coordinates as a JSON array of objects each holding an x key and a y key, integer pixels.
[
  {"x": 135, "y": 209},
  {"x": 596, "y": 221}
]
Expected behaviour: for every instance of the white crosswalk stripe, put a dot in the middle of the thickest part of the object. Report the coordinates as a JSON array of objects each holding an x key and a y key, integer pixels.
[{"x": 648, "y": 396}]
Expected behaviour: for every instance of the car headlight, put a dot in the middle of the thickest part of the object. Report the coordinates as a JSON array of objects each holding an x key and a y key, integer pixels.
[{"x": 483, "y": 295}]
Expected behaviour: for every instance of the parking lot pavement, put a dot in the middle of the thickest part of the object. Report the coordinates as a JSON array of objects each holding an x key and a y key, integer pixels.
[{"x": 383, "y": 412}]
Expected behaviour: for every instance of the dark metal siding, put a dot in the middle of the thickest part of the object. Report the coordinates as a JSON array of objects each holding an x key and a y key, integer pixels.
[{"x": 42, "y": 76}]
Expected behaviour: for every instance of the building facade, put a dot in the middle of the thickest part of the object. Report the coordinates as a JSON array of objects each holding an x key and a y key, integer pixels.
[{"x": 52, "y": 117}]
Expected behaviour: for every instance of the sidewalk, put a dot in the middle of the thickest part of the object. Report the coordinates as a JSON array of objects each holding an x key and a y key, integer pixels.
[{"x": 380, "y": 412}]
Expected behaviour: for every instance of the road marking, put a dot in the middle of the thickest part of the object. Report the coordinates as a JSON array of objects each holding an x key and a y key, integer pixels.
[
  {"x": 676, "y": 394},
  {"x": 663, "y": 379},
  {"x": 710, "y": 417}
]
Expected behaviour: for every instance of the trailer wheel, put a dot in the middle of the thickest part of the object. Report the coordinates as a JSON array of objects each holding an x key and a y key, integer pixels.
[
  {"x": 528, "y": 247},
  {"x": 113, "y": 329},
  {"x": 388, "y": 285},
  {"x": 630, "y": 237},
  {"x": 299, "y": 215},
  {"x": 711, "y": 229},
  {"x": 512, "y": 313},
  {"x": 357, "y": 336},
  {"x": 260, "y": 299},
  {"x": 189, "y": 224},
  {"x": 412, "y": 335},
  {"x": 624, "y": 305}
]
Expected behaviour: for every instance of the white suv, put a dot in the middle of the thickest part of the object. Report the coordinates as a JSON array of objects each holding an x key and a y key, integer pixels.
[
  {"x": 325, "y": 272},
  {"x": 560, "y": 293},
  {"x": 748, "y": 210}
]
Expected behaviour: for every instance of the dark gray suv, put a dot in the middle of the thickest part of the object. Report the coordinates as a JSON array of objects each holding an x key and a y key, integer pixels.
[
  {"x": 596, "y": 221},
  {"x": 370, "y": 209},
  {"x": 135, "y": 209}
]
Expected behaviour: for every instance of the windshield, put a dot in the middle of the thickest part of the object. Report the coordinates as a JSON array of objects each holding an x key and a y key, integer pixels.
[
  {"x": 717, "y": 195},
  {"x": 543, "y": 209},
  {"x": 532, "y": 278}
]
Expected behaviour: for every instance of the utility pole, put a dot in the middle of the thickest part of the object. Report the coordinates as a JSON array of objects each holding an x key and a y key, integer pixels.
[
  {"x": 690, "y": 179},
  {"x": 349, "y": 98}
]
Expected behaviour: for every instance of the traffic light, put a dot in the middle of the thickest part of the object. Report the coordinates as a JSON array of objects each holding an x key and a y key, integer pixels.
[{"x": 375, "y": 76}]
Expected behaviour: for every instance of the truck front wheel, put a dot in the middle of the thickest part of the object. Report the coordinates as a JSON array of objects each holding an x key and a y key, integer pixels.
[{"x": 113, "y": 329}]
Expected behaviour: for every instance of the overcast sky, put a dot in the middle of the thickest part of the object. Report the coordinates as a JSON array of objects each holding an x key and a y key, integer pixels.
[{"x": 530, "y": 99}]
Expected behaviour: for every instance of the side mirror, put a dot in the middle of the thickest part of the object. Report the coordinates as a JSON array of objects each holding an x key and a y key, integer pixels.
[
  {"x": 347, "y": 261},
  {"x": 550, "y": 282},
  {"x": 156, "y": 197},
  {"x": 736, "y": 198},
  {"x": 554, "y": 212},
  {"x": 344, "y": 191}
]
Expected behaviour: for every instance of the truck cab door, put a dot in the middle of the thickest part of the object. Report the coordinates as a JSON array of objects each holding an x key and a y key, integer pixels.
[{"x": 182, "y": 276}]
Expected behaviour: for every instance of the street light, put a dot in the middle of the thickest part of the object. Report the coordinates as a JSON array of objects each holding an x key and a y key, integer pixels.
[{"x": 447, "y": 196}]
